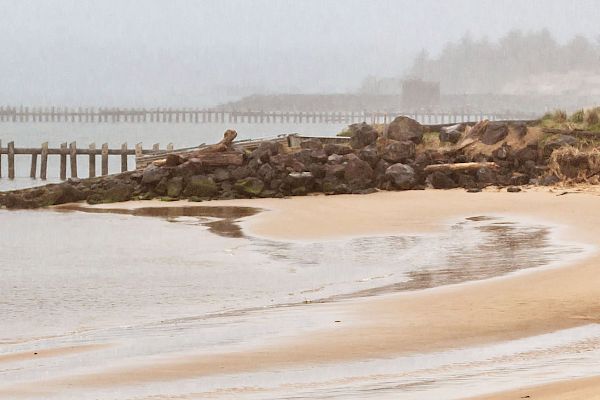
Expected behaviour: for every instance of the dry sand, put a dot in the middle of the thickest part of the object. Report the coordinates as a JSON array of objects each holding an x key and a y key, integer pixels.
[{"x": 476, "y": 313}]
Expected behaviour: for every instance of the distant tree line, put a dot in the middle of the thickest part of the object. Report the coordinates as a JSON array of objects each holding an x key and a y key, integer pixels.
[{"x": 481, "y": 66}]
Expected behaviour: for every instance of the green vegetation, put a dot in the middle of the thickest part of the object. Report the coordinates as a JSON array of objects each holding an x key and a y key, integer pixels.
[
  {"x": 345, "y": 133},
  {"x": 587, "y": 120},
  {"x": 577, "y": 116},
  {"x": 431, "y": 140}
]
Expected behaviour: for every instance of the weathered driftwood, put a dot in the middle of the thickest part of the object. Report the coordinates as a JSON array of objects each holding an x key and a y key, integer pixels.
[
  {"x": 469, "y": 166},
  {"x": 224, "y": 145},
  {"x": 214, "y": 155},
  {"x": 219, "y": 159}
]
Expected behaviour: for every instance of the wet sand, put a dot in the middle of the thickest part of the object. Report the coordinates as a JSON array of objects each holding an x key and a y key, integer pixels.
[
  {"x": 587, "y": 388},
  {"x": 505, "y": 308},
  {"x": 49, "y": 352}
]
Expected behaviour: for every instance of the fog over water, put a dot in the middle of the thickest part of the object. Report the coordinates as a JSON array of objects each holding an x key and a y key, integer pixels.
[{"x": 198, "y": 53}]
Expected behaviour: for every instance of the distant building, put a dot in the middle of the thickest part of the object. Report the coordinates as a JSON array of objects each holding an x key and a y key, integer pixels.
[{"x": 417, "y": 93}]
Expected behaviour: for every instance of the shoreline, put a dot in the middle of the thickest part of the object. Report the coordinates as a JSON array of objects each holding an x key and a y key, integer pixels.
[{"x": 516, "y": 306}]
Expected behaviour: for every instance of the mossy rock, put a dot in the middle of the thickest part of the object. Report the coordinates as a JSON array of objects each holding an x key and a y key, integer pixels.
[
  {"x": 249, "y": 186},
  {"x": 200, "y": 186},
  {"x": 175, "y": 186}
]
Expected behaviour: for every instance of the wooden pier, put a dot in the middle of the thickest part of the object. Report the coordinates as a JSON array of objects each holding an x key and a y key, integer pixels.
[
  {"x": 71, "y": 151},
  {"x": 10, "y": 114}
]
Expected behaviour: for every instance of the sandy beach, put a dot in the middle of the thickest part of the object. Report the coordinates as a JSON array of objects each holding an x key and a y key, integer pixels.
[{"x": 475, "y": 313}]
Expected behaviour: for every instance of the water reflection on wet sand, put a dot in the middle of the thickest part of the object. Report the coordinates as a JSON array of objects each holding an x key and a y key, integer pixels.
[{"x": 240, "y": 290}]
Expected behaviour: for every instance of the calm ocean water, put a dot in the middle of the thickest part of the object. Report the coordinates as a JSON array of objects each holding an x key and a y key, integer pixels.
[
  {"x": 181, "y": 135},
  {"x": 153, "y": 287}
]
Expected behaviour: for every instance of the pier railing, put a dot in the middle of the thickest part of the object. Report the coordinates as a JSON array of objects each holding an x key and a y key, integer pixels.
[
  {"x": 198, "y": 116},
  {"x": 71, "y": 152}
]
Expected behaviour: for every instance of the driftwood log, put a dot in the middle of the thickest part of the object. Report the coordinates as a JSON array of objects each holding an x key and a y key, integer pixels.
[
  {"x": 469, "y": 166},
  {"x": 218, "y": 154}
]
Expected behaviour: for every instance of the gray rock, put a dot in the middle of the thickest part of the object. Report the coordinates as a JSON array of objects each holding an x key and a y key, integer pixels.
[
  {"x": 394, "y": 151},
  {"x": 332, "y": 148},
  {"x": 334, "y": 170},
  {"x": 494, "y": 132},
  {"x": 439, "y": 180},
  {"x": 153, "y": 174},
  {"x": 221, "y": 174},
  {"x": 318, "y": 156},
  {"x": 358, "y": 174},
  {"x": 175, "y": 186},
  {"x": 405, "y": 129},
  {"x": 401, "y": 176},
  {"x": 200, "y": 186},
  {"x": 266, "y": 172},
  {"x": 249, "y": 187},
  {"x": 362, "y": 135},
  {"x": 486, "y": 176},
  {"x": 451, "y": 134},
  {"x": 369, "y": 154}
]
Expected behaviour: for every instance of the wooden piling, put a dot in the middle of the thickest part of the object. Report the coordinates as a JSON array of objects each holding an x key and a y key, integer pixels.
[
  {"x": 33, "y": 169},
  {"x": 92, "y": 161},
  {"x": 11, "y": 160},
  {"x": 44, "y": 161},
  {"x": 63, "y": 161},
  {"x": 124, "y": 157},
  {"x": 73, "y": 159},
  {"x": 138, "y": 150},
  {"x": 105, "y": 159}
]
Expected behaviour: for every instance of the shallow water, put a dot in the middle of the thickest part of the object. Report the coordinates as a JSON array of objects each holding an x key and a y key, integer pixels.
[{"x": 152, "y": 287}]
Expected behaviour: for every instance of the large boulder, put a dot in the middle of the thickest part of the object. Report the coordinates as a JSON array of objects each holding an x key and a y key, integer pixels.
[
  {"x": 333, "y": 148},
  {"x": 334, "y": 170},
  {"x": 118, "y": 192},
  {"x": 440, "y": 180},
  {"x": 494, "y": 132},
  {"x": 250, "y": 187},
  {"x": 200, "y": 186},
  {"x": 358, "y": 174},
  {"x": 451, "y": 134},
  {"x": 266, "y": 172},
  {"x": 318, "y": 156},
  {"x": 265, "y": 150},
  {"x": 299, "y": 183},
  {"x": 153, "y": 174},
  {"x": 404, "y": 128},
  {"x": 394, "y": 151},
  {"x": 362, "y": 135},
  {"x": 401, "y": 176},
  {"x": 485, "y": 176},
  {"x": 175, "y": 186},
  {"x": 369, "y": 154}
]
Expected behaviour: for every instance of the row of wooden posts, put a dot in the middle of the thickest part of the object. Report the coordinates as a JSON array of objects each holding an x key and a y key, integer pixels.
[
  {"x": 189, "y": 115},
  {"x": 72, "y": 151}
]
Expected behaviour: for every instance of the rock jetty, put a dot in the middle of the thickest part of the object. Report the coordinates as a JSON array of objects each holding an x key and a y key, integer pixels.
[{"x": 405, "y": 155}]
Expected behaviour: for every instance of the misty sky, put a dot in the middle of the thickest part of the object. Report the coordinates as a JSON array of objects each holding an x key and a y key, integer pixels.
[{"x": 196, "y": 52}]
